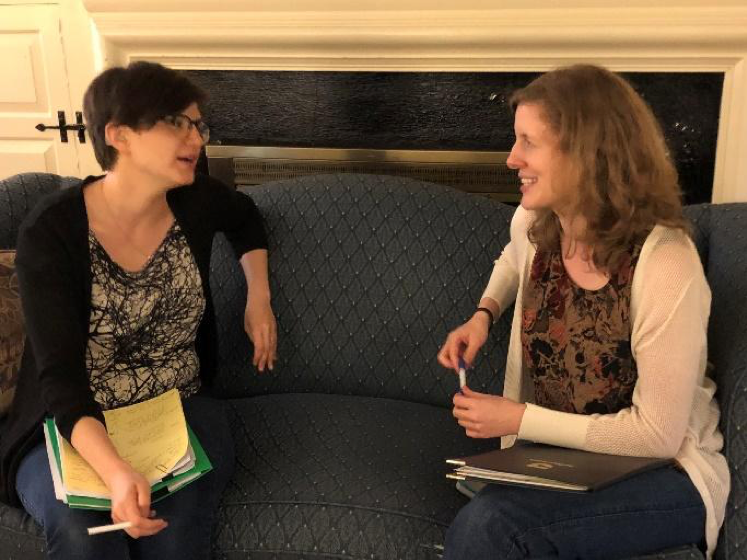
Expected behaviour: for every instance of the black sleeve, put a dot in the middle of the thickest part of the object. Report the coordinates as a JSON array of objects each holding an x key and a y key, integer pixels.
[
  {"x": 238, "y": 217},
  {"x": 54, "y": 309}
]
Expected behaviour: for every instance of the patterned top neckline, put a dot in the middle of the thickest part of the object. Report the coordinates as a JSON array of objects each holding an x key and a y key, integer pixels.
[
  {"x": 143, "y": 270},
  {"x": 576, "y": 287},
  {"x": 576, "y": 342},
  {"x": 143, "y": 326}
]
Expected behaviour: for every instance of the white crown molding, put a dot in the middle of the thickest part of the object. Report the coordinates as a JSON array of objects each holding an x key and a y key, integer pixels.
[
  {"x": 435, "y": 35},
  {"x": 383, "y": 5},
  {"x": 194, "y": 35}
]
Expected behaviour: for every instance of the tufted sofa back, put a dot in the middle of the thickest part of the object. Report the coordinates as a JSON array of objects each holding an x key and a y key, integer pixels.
[
  {"x": 368, "y": 275},
  {"x": 18, "y": 195}
]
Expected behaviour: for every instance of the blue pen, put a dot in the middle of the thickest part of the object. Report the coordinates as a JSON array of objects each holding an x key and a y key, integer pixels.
[{"x": 462, "y": 373}]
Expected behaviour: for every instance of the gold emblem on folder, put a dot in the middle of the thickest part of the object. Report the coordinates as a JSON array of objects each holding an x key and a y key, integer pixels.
[{"x": 540, "y": 465}]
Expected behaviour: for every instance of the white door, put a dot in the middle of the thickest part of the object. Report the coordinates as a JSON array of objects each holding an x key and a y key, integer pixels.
[{"x": 33, "y": 90}]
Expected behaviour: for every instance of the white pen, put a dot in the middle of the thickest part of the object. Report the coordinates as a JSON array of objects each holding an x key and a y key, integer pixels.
[
  {"x": 108, "y": 528},
  {"x": 462, "y": 374}
]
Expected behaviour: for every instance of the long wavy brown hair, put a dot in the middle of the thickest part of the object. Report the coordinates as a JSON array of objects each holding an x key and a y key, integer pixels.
[{"x": 620, "y": 173}]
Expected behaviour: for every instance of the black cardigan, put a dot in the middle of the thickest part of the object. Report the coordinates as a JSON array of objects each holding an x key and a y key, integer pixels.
[{"x": 54, "y": 273}]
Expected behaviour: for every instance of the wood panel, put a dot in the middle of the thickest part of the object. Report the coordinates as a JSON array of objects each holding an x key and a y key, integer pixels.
[{"x": 33, "y": 89}]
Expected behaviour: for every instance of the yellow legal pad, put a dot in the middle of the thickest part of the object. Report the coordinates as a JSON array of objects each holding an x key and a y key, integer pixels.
[{"x": 151, "y": 436}]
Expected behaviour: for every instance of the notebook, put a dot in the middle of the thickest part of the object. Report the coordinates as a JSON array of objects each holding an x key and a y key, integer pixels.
[
  {"x": 152, "y": 436},
  {"x": 547, "y": 466}
]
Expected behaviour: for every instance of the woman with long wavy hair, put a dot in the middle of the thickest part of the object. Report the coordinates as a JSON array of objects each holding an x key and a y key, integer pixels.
[{"x": 607, "y": 351}]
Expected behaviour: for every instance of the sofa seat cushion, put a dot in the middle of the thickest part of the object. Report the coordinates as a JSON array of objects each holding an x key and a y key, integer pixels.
[
  {"x": 20, "y": 537},
  {"x": 340, "y": 476}
]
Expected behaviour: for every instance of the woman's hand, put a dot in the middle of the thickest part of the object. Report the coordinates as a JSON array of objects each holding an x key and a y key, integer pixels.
[
  {"x": 465, "y": 341},
  {"x": 130, "y": 492},
  {"x": 260, "y": 325},
  {"x": 487, "y": 416},
  {"x": 130, "y": 495}
]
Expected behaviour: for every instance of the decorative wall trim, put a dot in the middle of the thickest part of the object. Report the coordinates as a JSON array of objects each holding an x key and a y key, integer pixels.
[{"x": 192, "y": 35}]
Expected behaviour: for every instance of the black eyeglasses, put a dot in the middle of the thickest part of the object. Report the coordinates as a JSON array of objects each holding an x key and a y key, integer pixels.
[{"x": 184, "y": 124}]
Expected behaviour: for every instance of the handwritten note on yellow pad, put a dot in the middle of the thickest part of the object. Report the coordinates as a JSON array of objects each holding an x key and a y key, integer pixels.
[{"x": 151, "y": 436}]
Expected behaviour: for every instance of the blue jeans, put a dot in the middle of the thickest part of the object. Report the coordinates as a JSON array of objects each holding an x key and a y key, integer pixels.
[
  {"x": 646, "y": 513},
  {"x": 190, "y": 511}
]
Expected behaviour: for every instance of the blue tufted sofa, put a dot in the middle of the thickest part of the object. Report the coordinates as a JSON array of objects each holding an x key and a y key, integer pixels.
[{"x": 340, "y": 450}]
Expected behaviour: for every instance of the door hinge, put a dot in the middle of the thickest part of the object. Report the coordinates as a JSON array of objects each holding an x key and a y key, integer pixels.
[{"x": 63, "y": 127}]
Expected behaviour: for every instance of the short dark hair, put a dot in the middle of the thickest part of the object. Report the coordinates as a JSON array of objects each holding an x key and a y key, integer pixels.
[{"x": 135, "y": 96}]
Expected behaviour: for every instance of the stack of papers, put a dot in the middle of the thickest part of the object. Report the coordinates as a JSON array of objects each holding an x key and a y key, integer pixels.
[
  {"x": 152, "y": 436},
  {"x": 547, "y": 466}
]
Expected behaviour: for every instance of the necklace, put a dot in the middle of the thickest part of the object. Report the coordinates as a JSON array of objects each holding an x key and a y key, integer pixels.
[{"x": 122, "y": 231}]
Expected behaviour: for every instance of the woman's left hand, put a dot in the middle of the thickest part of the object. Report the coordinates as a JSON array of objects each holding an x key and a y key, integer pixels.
[
  {"x": 260, "y": 325},
  {"x": 487, "y": 416}
]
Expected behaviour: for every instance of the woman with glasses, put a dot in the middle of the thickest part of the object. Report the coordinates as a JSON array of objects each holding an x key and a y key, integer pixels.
[{"x": 114, "y": 277}]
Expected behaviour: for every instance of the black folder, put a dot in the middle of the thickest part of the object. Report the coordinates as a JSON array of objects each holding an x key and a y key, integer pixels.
[{"x": 547, "y": 466}]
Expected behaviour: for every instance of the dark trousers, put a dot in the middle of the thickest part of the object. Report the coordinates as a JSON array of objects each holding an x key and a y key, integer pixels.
[
  {"x": 655, "y": 510},
  {"x": 190, "y": 511}
]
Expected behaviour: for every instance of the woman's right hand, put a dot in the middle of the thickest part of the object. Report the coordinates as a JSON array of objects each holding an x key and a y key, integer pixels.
[
  {"x": 465, "y": 341},
  {"x": 130, "y": 494}
]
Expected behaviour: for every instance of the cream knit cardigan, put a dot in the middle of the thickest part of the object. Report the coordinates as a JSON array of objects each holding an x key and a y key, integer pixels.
[{"x": 673, "y": 412}]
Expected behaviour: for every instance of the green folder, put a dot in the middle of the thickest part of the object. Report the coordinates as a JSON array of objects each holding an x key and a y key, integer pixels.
[{"x": 159, "y": 490}]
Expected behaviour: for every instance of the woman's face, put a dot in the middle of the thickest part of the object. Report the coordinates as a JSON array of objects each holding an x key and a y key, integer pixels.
[
  {"x": 166, "y": 152},
  {"x": 543, "y": 168}
]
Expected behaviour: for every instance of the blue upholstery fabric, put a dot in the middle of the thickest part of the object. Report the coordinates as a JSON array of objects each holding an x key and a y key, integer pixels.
[
  {"x": 340, "y": 450},
  {"x": 321, "y": 474},
  {"x": 369, "y": 273},
  {"x": 18, "y": 194},
  {"x": 724, "y": 245}
]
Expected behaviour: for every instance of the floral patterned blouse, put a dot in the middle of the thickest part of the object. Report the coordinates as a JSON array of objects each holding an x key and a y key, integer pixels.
[{"x": 576, "y": 342}]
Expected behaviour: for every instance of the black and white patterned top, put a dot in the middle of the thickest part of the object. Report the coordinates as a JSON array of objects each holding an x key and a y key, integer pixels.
[{"x": 143, "y": 324}]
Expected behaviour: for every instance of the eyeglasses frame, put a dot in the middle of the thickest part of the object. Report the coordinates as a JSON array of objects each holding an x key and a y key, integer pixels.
[{"x": 201, "y": 126}]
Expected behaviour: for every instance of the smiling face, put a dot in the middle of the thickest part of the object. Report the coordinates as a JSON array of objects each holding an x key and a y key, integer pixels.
[
  {"x": 163, "y": 154},
  {"x": 543, "y": 169}
]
